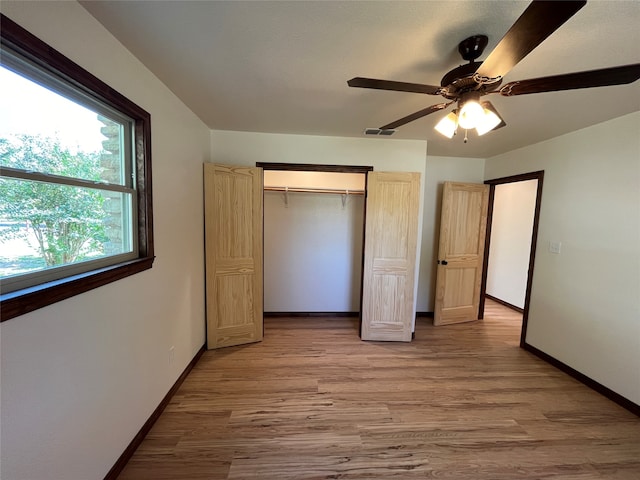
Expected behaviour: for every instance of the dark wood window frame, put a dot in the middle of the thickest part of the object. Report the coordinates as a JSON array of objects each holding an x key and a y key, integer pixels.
[{"x": 19, "y": 302}]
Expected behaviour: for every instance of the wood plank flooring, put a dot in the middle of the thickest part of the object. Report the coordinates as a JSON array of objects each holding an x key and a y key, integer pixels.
[{"x": 312, "y": 401}]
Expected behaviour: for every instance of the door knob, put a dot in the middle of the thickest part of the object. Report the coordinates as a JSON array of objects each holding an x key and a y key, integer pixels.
[{"x": 443, "y": 262}]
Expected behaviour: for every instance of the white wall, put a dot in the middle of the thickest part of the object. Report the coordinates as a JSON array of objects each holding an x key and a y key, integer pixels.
[
  {"x": 80, "y": 377},
  {"x": 247, "y": 148},
  {"x": 439, "y": 170},
  {"x": 585, "y": 304},
  {"x": 312, "y": 252},
  {"x": 514, "y": 206}
]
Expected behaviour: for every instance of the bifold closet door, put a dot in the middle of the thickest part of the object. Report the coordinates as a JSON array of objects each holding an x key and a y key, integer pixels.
[
  {"x": 233, "y": 251},
  {"x": 391, "y": 234}
]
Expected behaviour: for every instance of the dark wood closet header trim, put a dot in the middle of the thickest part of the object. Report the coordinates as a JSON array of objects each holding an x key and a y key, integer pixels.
[{"x": 309, "y": 167}]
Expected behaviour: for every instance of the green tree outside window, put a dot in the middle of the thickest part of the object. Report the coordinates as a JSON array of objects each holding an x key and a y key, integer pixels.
[{"x": 66, "y": 222}]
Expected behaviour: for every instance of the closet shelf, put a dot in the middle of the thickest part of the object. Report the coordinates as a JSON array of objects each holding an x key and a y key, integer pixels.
[{"x": 338, "y": 191}]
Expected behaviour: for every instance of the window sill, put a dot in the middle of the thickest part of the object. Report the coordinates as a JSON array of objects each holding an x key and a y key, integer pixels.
[{"x": 23, "y": 301}]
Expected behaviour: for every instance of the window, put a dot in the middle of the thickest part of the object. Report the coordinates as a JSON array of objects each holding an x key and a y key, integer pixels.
[{"x": 75, "y": 178}]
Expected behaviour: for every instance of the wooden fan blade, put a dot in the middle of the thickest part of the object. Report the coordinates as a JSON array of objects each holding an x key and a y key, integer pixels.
[
  {"x": 489, "y": 106},
  {"x": 571, "y": 81},
  {"x": 414, "y": 116},
  {"x": 395, "y": 86},
  {"x": 539, "y": 20}
]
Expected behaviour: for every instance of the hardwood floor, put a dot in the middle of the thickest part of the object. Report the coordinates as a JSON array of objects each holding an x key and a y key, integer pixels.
[{"x": 312, "y": 401}]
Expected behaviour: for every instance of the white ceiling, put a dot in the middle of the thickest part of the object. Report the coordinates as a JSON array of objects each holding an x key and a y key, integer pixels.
[{"x": 283, "y": 66}]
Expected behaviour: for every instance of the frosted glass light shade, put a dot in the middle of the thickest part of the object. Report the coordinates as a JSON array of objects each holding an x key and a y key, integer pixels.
[
  {"x": 448, "y": 125},
  {"x": 470, "y": 114},
  {"x": 487, "y": 122}
]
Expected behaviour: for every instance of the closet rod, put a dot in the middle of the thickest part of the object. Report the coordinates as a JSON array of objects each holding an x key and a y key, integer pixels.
[{"x": 315, "y": 190}]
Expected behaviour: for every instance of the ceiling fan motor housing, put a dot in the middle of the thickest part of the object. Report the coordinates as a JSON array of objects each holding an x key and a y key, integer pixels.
[
  {"x": 462, "y": 79},
  {"x": 460, "y": 73}
]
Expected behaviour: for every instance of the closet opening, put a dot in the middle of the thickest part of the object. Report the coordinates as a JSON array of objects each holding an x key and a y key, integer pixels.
[{"x": 314, "y": 217}]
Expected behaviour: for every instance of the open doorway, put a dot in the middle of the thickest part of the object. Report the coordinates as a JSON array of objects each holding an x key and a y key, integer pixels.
[{"x": 512, "y": 230}]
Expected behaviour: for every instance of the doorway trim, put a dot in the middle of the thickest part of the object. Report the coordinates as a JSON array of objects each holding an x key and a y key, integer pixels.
[{"x": 538, "y": 175}]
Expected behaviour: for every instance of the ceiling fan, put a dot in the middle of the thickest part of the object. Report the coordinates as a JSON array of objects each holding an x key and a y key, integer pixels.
[{"x": 467, "y": 84}]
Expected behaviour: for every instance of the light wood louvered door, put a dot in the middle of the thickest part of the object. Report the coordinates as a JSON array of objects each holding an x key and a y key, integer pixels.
[
  {"x": 233, "y": 235},
  {"x": 461, "y": 252},
  {"x": 391, "y": 230}
]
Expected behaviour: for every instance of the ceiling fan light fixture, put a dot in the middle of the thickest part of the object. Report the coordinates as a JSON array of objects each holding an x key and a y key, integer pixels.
[
  {"x": 471, "y": 112},
  {"x": 448, "y": 125},
  {"x": 488, "y": 122},
  {"x": 466, "y": 84}
]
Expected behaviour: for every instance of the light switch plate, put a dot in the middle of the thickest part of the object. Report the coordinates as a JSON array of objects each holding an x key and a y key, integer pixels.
[{"x": 555, "y": 247}]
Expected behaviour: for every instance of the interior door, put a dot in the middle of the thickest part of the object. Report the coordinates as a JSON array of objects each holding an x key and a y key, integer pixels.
[
  {"x": 391, "y": 232},
  {"x": 233, "y": 238},
  {"x": 460, "y": 255}
]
